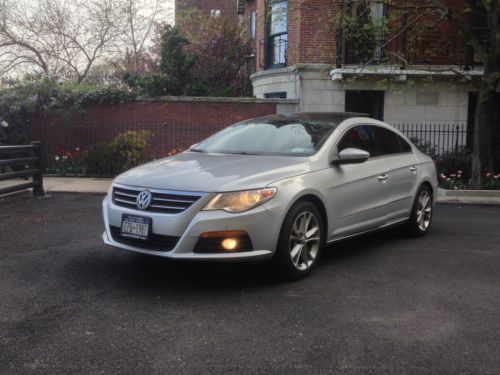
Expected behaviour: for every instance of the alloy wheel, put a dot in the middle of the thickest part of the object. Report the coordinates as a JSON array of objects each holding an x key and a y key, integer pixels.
[
  {"x": 424, "y": 210},
  {"x": 304, "y": 240}
]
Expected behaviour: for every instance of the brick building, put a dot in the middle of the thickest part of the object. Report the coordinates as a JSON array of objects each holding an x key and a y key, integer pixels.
[
  {"x": 214, "y": 8},
  {"x": 302, "y": 52}
]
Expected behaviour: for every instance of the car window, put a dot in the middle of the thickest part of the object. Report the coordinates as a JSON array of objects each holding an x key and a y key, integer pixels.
[
  {"x": 361, "y": 137},
  {"x": 389, "y": 142},
  {"x": 405, "y": 146},
  {"x": 281, "y": 137}
]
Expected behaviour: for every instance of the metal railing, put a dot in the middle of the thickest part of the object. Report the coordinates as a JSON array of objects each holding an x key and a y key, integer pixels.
[
  {"x": 22, "y": 161},
  {"x": 446, "y": 143},
  {"x": 434, "y": 50},
  {"x": 437, "y": 139}
]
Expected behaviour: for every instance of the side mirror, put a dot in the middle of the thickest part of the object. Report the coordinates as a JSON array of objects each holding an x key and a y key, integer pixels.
[{"x": 350, "y": 156}]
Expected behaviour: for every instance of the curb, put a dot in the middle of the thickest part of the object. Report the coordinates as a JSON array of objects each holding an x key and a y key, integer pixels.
[{"x": 468, "y": 196}]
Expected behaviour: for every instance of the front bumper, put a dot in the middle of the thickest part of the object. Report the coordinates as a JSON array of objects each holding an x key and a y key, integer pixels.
[{"x": 261, "y": 224}]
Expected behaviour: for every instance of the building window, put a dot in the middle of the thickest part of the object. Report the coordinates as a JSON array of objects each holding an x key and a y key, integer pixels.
[
  {"x": 215, "y": 13},
  {"x": 366, "y": 33},
  {"x": 277, "y": 34},
  {"x": 253, "y": 24},
  {"x": 276, "y": 95}
]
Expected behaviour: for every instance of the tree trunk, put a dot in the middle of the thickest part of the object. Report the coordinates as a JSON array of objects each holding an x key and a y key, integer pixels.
[{"x": 483, "y": 123}]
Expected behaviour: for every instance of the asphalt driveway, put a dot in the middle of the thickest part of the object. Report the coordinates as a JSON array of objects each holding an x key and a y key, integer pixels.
[{"x": 380, "y": 304}]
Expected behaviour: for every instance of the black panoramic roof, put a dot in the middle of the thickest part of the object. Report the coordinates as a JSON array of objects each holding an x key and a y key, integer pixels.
[{"x": 335, "y": 117}]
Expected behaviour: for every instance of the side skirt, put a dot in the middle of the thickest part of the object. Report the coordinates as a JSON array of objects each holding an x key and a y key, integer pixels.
[{"x": 385, "y": 226}]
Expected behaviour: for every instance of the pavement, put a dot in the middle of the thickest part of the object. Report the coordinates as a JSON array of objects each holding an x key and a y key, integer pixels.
[
  {"x": 381, "y": 304},
  {"x": 101, "y": 186},
  {"x": 76, "y": 185}
]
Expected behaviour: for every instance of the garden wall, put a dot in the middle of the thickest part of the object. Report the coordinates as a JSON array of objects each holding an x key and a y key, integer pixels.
[{"x": 172, "y": 122}]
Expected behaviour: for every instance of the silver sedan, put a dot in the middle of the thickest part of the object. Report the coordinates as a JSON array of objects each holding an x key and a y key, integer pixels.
[{"x": 279, "y": 187}]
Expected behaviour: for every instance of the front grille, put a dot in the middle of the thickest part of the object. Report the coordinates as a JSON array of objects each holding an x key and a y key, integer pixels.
[
  {"x": 166, "y": 202},
  {"x": 156, "y": 242}
]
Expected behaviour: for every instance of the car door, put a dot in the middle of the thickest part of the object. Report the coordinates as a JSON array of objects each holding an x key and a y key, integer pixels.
[
  {"x": 402, "y": 172},
  {"x": 357, "y": 193}
]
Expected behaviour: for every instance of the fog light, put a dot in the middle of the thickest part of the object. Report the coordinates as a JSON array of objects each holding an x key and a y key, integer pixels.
[
  {"x": 229, "y": 244},
  {"x": 223, "y": 241}
]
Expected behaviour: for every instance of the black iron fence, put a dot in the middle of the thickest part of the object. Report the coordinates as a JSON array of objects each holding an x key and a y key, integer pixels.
[
  {"x": 21, "y": 161},
  {"x": 446, "y": 143},
  {"x": 435, "y": 139}
]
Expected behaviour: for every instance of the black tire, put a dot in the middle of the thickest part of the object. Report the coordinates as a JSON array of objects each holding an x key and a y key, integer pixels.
[
  {"x": 420, "y": 220},
  {"x": 298, "y": 267}
]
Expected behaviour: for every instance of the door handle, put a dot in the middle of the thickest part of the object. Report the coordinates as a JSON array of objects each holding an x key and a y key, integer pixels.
[
  {"x": 413, "y": 169},
  {"x": 383, "y": 177}
]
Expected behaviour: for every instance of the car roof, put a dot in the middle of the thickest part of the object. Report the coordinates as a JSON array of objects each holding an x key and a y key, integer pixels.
[{"x": 320, "y": 116}]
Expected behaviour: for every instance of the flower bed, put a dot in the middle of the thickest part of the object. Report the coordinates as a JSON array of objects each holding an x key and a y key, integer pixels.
[
  {"x": 126, "y": 151},
  {"x": 457, "y": 181}
]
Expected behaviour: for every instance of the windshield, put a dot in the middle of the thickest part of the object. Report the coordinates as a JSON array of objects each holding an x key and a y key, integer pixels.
[{"x": 284, "y": 137}]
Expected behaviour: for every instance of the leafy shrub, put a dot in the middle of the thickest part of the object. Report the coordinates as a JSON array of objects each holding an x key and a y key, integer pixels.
[
  {"x": 492, "y": 181},
  {"x": 126, "y": 151},
  {"x": 452, "y": 161}
]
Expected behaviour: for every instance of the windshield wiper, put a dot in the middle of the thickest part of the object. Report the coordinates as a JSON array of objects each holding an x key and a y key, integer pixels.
[
  {"x": 240, "y": 153},
  {"x": 198, "y": 150}
]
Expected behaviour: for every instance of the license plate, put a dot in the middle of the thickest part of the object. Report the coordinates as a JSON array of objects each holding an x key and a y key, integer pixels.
[{"x": 136, "y": 227}]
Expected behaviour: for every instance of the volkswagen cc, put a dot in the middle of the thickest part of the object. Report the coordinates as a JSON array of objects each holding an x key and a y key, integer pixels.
[{"x": 278, "y": 188}]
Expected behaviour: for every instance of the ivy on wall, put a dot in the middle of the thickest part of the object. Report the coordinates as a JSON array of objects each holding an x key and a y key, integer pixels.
[{"x": 20, "y": 101}]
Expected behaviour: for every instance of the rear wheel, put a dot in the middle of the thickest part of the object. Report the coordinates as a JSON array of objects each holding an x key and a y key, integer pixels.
[
  {"x": 300, "y": 242},
  {"x": 421, "y": 214}
]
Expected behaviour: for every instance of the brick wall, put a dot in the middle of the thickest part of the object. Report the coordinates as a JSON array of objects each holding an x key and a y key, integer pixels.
[
  {"x": 312, "y": 35},
  {"x": 175, "y": 124},
  {"x": 260, "y": 34}
]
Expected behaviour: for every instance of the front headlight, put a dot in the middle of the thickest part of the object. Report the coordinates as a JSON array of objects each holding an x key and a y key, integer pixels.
[{"x": 240, "y": 201}]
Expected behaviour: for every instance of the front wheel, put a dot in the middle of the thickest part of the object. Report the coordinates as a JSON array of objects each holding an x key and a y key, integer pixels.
[
  {"x": 300, "y": 242},
  {"x": 421, "y": 214}
]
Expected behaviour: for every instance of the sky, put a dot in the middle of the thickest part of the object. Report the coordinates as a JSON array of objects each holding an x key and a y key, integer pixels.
[{"x": 168, "y": 16}]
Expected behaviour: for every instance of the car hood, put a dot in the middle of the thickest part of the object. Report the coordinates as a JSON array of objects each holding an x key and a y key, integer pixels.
[{"x": 192, "y": 171}]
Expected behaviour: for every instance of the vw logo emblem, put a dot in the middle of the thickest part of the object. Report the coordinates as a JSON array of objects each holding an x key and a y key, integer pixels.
[{"x": 143, "y": 199}]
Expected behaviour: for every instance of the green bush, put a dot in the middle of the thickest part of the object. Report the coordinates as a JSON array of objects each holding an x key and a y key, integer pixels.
[
  {"x": 126, "y": 151},
  {"x": 452, "y": 161}
]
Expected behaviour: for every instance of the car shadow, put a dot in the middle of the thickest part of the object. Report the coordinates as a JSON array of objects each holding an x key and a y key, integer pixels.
[
  {"x": 143, "y": 274},
  {"x": 351, "y": 248}
]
